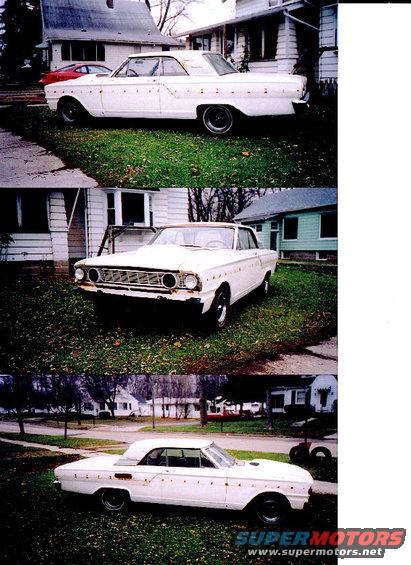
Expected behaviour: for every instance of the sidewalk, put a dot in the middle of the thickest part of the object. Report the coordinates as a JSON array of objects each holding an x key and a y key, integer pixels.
[
  {"x": 27, "y": 164},
  {"x": 319, "y": 487}
]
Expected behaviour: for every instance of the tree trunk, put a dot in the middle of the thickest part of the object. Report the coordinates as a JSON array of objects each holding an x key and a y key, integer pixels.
[
  {"x": 203, "y": 404},
  {"x": 65, "y": 424},
  {"x": 20, "y": 421},
  {"x": 268, "y": 409}
]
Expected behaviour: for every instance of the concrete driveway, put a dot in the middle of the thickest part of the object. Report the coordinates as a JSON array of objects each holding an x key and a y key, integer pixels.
[{"x": 27, "y": 164}]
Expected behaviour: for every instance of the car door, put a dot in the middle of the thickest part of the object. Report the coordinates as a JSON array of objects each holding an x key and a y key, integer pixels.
[
  {"x": 192, "y": 479},
  {"x": 178, "y": 98},
  {"x": 142, "y": 480},
  {"x": 134, "y": 90},
  {"x": 250, "y": 273}
]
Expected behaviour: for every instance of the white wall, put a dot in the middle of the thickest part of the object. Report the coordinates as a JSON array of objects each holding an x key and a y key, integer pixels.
[
  {"x": 328, "y": 63},
  {"x": 322, "y": 382}
]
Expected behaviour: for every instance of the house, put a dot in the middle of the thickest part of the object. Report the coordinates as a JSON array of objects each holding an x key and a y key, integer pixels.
[
  {"x": 51, "y": 229},
  {"x": 299, "y": 223},
  {"x": 276, "y": 36},
  {"x": 318, "y": 391},
  {"x": 168, "y": 407},
  {"x": 103, "y": 31},
  {"x": 126, "y": 404}
]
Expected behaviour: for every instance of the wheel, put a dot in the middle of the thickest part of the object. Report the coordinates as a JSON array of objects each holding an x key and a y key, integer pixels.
[
  {"x": 104, "y": 309},
  {"x": 271, "y": 509},
  {"x": 70, "y": 111},
  {"x": 113, "y": 500},
  {"x": 299, "y": 454},
  {"x": 320, "y": 455},
  {"x": 265, "y": 286},
  {"x": 220, "y": 309},
  {"x": 218, "y": 120}
]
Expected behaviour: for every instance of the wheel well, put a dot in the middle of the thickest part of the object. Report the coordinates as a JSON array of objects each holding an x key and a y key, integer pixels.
[
  {"x": 201, "y": 108},
  {"x": 263, "y": 495},
  {"x": 226, "y": 286},
  {"x": 102, "y": 489},
  {"x": 267, "y": 275},
  {"x": 65, "y": 98}
]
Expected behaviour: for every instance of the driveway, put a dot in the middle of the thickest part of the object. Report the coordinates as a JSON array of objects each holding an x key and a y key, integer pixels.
[
  {"x": 27, "y": 164},
  {"x": 244, "y": 442}
]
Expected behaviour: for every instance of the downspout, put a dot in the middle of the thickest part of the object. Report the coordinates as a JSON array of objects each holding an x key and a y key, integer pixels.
[{"x": 86, "y": 222}]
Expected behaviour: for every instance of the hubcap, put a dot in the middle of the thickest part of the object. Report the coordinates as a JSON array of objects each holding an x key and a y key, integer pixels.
[
  {"x": 70, "y": 112},
  {"x": 221, "y": 309},
  {"x": 113, "y": 500}
]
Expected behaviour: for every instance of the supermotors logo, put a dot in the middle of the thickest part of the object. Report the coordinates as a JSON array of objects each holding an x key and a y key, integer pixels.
[{"x": 344, "y": 542}]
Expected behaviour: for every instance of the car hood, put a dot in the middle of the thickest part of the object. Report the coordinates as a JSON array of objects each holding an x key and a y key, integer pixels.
[
  {"x": 99, "y": 463},
  {"x": 165, "y": 258},
  {"x": 274, "y": 470}
]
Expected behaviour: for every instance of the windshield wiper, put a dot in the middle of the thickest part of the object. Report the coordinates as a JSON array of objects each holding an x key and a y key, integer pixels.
[{"x": 188, "y": 245}]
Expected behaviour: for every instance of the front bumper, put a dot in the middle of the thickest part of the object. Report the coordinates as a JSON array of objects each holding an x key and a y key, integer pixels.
[
  {"x": 196, "y": 302},
  {"x": 302, "y": 105}
]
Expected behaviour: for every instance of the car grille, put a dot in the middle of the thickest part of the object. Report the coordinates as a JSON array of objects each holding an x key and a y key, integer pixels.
[{"x": 146, "y": 279}]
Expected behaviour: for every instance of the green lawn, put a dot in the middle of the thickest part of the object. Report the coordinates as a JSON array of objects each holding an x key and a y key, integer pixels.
[
  {"x": 274, "y": 152},
  {"x": 42, "y": 526},
  {"x": 47, "y": 327},
  {"x": 281, "y": 426},
  {"x": 59, "y": 441}
]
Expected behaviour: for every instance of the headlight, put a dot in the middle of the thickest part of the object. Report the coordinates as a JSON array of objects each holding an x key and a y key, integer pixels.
[
  {"x": 79, "y": 274},
  {"x": 190, "y": 282},
  {"x": 94, "y": 275},
  {"x": 170, "y": 281}
]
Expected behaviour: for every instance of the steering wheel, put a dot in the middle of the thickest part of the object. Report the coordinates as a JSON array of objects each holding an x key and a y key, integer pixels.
[{"x": 219, "y": 243}]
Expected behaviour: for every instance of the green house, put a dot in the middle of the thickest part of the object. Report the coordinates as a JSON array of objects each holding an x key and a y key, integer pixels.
[{"x": 299, "y": 223}]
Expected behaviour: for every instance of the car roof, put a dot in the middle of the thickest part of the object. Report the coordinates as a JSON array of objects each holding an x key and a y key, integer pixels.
[
  {"x": 180, "y": 54},
  {"x": 139, "y": 449}
]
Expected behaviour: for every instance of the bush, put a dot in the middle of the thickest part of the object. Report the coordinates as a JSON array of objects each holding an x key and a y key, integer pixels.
[
  {"x": 104, "y": 415},
  {"x": 299, "y": 411}
]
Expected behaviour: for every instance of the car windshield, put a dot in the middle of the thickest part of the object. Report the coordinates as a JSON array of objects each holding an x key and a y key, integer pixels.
[
  {"x": 196, "y": 236},
  {"x": 219, "y": 64},
  {"x": 223, "y": 458}
]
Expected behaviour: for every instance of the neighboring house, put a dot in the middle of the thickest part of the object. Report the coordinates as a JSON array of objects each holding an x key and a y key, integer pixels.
[
  {"x": 320, "y": 391},
  {"x": 125, "y": 405},
  {"x": 299, "y": 223},
  {"x": 103, "y": 31},
  {"x": 53, "y": 228},
  {"x": 167, "y": 407},
  {"x": 276, "y": 36}
]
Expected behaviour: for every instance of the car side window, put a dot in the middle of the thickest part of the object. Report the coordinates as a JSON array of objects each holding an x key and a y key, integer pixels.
[
  {"x": 140, "y": 67},
  {"x": 94, "y": 69},
  {"x": 82, "y": 69},
  {"x": 205, "y": 462},
  {"x": 156, "y": 457},
  {"x": 172, "y": 68},
  {"x": 243, "y": 241},
  {"x": 252, "y": 241},
  {"x": 183, "y": 458}
]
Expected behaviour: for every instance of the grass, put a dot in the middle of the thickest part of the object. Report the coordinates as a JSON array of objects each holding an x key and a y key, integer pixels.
[
  {"x": 59, "y": 441},
  {"x": 42, "y": 526},
  {"x": 278, "y": 152},
  {"x": 281, "y": 426},
  {"x": 47, "y": 327}
]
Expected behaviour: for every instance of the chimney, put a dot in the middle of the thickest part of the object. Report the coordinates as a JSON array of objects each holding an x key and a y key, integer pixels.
[{"x": 110, "y": 3}]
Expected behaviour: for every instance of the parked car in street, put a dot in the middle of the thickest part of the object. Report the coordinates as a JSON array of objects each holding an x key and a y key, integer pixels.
[
  {"x": 205, "y": 267},
  {"x": 73, "y": 72},
  {"x": 188, "y": 472},
  {"x": 185, "y": 85}
]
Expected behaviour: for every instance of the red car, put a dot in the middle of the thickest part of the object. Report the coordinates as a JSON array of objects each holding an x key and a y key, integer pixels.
[{"x": 71, "y": 72}]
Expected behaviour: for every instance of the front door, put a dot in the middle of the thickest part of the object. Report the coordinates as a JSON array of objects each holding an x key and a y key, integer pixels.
[
  {"x": 191, "y": 479},
  {"x": 134, "y": 92}
]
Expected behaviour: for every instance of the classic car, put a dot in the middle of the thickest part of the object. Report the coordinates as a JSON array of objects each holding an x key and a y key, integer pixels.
[
  {"x": 204, "y": 267},
  {"x": 72, "y": 72},
  {"x": 188, "y": 472},
  {"x": 185, "y": 85}
]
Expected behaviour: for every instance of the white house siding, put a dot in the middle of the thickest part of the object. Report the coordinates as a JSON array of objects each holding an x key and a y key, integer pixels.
[
  {"x": 324, "y": 382},
  {"x": 30, "y": 247},
  {"x": 308, "y": 234},
  {"x": 76, "y": 233},
  {"x": 247, "y": 7},
  {"x": 169, "y": 205},
  {"x": 328, "y": 63}
]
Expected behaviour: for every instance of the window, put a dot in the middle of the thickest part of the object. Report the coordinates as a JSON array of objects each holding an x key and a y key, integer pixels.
[
  {"x": 243, "y": 241},
  {"x": 88, "y": 407},
  {"x": 202, "y": 43},
  {"x": 290, "y": 228},
  {"x": 172, "y": 68},
  {"x": 277, "y": 401},
  {"x": 132, "y": 206},
  {"x": 82, "y": 51},
  {"x": 94, "y": 69},
  {"x": 140, "y": 67},
  {"x": 24, "y": 211},
  {"x": 328, "y": 225},
  {"x": 111, "y": 211},
  {"x": 263, "y": 37},
  {"x": 83, "y": 69},
  {"x": 300, "y": 397},
  {"x": 157, "y": 457},
  {"x": 125, "y": 405},
  {"x": 102, "y": 405}
]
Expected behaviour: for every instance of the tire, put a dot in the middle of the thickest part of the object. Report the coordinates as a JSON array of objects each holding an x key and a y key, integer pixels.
[
  {"x": 218, "y": 120},
  {"x": 220, "y": 309},
  {"x": 113, "y": 500},
  {"x": 271, "y": 509},
  {"x": 71, "y": 112},
  {"x": 320, "y": 455},
  {"x": 103, "y": 309},
  {"x": 299, "y": 454}
]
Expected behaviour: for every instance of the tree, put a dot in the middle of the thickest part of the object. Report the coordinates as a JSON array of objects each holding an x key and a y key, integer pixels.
[
  {"x": 16, "y": 395},
  {"x": 105, "y": 389},
  {"x": 65, "y": 395},
  {"x": 21, "y": 21},
  {"x": 169, "y": 13}
]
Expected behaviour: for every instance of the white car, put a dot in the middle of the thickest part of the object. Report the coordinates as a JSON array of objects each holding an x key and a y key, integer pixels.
[
  {"x": 205, "y": 267},
  {"x": 185, "y": 85},
  {"x": 188, "y": 472}
]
